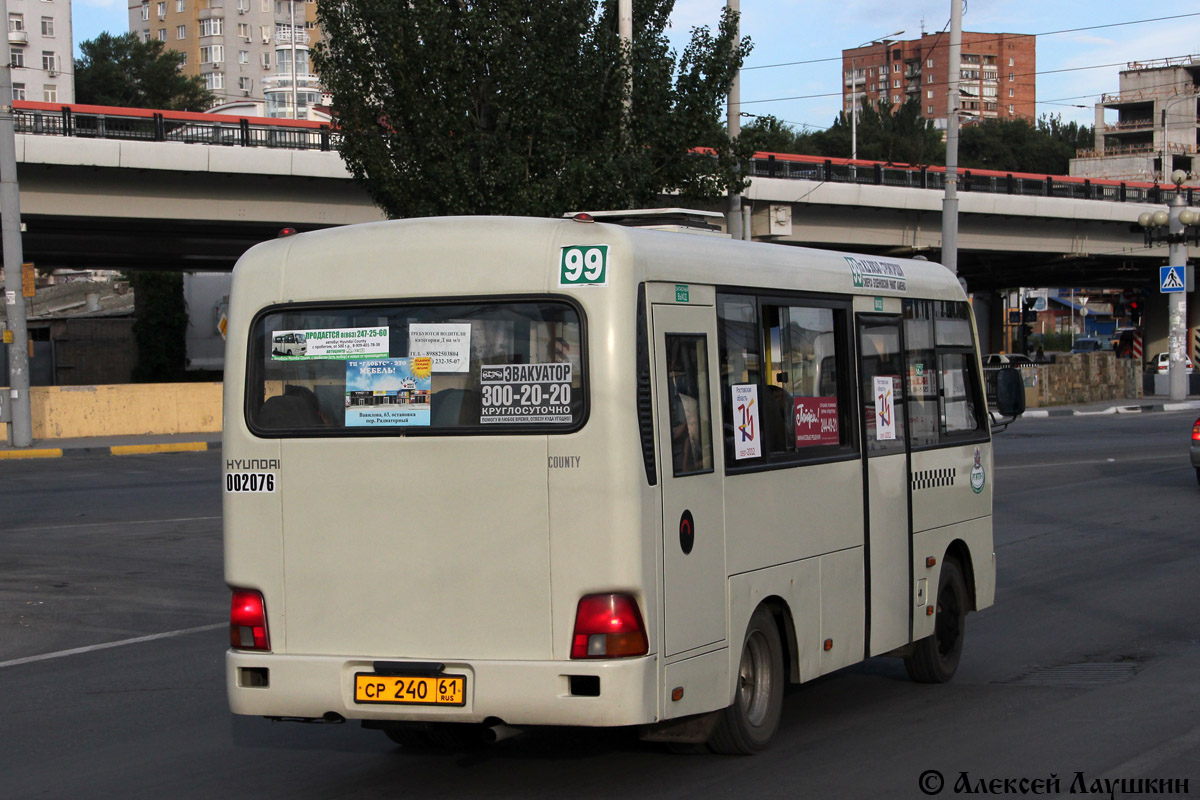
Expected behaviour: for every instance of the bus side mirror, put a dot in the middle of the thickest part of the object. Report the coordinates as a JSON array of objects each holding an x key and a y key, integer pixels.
[{"x": 1010, "y": 392}]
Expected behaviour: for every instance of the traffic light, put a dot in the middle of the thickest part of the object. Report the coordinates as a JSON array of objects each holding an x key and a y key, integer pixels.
[{"x": 1135, "y": 311}]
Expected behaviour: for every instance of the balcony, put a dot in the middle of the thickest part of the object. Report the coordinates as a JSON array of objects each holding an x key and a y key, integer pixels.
[
  {"x": 284, "y": 36},
  {"x": 282, "y": 82},
  {"x": 18, "y": 37},
  {"x": 1143, "y": 148},
  {"x": 1129, "y": 125},
  {"x": 1142, "y": 96}
]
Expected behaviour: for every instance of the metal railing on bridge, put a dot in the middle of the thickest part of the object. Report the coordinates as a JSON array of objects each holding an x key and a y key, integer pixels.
[
  {"x": 141, "y": 124},
  {"x": 924, "y": 176},
  {"x": 110, "y": 122}
]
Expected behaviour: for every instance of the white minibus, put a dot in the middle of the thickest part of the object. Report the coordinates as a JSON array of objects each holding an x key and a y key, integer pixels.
[{"x": 534, "y": 472}]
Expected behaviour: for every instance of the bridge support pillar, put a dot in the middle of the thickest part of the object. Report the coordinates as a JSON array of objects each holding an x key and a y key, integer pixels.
[{"x": 989, "y": 320}]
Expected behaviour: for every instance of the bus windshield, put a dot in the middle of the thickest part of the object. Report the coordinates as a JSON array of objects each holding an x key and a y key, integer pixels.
[{"x": 495, "y": 367}]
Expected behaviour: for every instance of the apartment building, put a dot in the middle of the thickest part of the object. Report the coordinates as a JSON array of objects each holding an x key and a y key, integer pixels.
[
  {"x": 1147, "y": 129},
  {"x": 997, "y": 78},
  {"x": 40, "y": 49},
  {"x": 243, "y": 49}
]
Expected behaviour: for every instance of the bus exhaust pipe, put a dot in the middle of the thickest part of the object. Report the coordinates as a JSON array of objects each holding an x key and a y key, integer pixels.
[{"x": 499, "y": 732}]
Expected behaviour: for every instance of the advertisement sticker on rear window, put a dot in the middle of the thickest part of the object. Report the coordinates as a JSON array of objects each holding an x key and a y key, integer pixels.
[
  {"x": 525, "y": 393},
  {"x": 331, "y": 343},
  {"x": 449, "y": 346},
  {"x": 388, "y": 392}
]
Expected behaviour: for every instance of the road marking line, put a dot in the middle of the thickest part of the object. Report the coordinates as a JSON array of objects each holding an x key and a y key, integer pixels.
[
  {"x": 114, "y": 522},
  {"x": 1105, "y": 460},
  {"x": 92, "y": 648},
  {"x": 1156, "y": 756}
]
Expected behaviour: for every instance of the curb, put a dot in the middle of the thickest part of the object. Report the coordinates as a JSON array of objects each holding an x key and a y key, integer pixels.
[
  {"x": 1147, "y": 408},
  {"x": 114, "y": 450}
]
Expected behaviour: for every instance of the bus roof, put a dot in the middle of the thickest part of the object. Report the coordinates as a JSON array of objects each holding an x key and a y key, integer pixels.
[{"x": 437, "y": 256}]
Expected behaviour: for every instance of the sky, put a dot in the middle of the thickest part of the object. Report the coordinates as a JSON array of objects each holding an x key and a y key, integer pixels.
[{"x": 1074, "y": 67}]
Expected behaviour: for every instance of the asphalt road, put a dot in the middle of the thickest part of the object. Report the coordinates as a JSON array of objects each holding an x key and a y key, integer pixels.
[{"x": 1086, "y": 664}]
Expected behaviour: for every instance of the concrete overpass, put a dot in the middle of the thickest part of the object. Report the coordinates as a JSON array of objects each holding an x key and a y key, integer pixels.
[
  {"x": 106, "y": 187},
  {"x": 99, "y": 188}
]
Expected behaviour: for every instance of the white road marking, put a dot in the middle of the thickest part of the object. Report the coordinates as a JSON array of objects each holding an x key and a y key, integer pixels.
[
  {"x": 92, "y": 648},
  {"x": 1173, "y": 457},
  {"x": 114, "y": 522},
  {"x": 1160, "y": 754}
]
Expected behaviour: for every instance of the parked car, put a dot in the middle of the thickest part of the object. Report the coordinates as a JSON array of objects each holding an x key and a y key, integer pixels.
[
  {"x": 1196, "y": 448},
  {"x": 1006, "y": 360},
  {"x": 1088, "y": 344},
  {"x": 1161, "y": 364}
]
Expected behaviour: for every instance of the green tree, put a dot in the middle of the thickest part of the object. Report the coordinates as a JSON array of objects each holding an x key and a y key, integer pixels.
[
  {"x": 768, "y": 134},
  {"x": 125, "y": 71},
  {"x": 509, "y": 107},
  {"x": 159, "y": 327},
  {"x": 1021, "y": 146},
  {"x": 898, "y": 134}
]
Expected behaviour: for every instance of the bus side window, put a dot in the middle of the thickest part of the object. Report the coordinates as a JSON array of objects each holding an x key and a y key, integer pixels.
[{"x": 691, "y": 414}]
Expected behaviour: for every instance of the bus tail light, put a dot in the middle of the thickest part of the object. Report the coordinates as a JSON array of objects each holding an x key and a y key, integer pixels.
[
  {"x": 608, "y": 626},
  {"x": 248, "y": 621}
]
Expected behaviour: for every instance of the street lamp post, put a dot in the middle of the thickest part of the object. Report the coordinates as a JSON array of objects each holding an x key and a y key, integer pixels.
[
  {"x": 854, "y": 91},
  {"x": 1173, "y": 227}
]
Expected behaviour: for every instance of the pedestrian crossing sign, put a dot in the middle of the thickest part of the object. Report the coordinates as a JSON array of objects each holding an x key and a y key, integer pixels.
[{"x": 1170, "y": 279}]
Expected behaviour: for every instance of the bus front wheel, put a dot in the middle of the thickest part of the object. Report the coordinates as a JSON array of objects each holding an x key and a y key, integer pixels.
[
  {"x": 935, "y": 658},
  {"x": 747, "y": 726}
]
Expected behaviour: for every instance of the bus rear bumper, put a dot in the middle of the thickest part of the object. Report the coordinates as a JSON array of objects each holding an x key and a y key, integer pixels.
[{"x": 588, "y": 693}]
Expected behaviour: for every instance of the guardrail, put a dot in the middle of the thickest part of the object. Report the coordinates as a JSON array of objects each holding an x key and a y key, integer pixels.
[
  {"x": 110, "y": 122},
  {"x": 924, "y": 176}
]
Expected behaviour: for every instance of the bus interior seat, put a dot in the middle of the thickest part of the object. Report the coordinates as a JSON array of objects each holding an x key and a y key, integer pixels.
[{"x": 453, "y": 407}]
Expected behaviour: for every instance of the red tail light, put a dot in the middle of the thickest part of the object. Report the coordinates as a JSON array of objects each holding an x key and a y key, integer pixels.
[
  {"x": 1196, "y": 431},
  {"x": 248, "y": 621},
  {"x": 608, "y": 626}
]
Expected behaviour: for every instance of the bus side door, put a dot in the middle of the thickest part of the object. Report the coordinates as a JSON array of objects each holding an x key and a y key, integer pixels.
[
  {"x": 693, "y": 525},
  {"x": 889, "y": 543}
]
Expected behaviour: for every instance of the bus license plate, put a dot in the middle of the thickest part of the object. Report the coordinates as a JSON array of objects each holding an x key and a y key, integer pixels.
[{"x": 440, "y": 690}]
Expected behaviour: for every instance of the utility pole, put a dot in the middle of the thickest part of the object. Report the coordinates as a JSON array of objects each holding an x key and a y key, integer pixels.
[
  {"x": 950, "y": 202},
  {"x": 10, "y": 229},
  {"x": 625, "y": 33},
  {"x": 1177, "y": 304},
  {"x": 733, "y": 217}
]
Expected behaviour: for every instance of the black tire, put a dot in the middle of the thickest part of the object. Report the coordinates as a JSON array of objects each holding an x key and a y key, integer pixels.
[
  {"x": 746, "y": 727},
  {"x": 935, "y": 658}
]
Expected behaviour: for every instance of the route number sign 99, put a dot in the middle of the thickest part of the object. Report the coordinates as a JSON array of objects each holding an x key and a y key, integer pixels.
[{"x": 584, "y": 265}]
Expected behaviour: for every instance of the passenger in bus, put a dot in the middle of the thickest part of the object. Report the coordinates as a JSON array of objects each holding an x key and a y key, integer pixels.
[{"x": 297, "y": 407}]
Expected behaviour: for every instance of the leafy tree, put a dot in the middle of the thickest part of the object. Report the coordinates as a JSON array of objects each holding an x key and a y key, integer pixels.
[
  {"x": 125, "y": 71},
  {"x": 898, "y": 134},
  {"x": 768, "y": 134},
  {"x": 1021, "y": 146},
  {"x": 159, "y": 327},
  {"x": 510, "y": 107}
]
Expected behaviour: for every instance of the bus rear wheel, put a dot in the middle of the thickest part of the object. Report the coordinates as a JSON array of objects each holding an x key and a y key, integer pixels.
[
  {"x": 935, "y": 658},
  {"x": 746, "y": 727}
]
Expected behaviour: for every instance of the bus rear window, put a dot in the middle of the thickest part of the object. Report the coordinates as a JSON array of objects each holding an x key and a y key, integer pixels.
[{"x": 494, "y": 367}]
